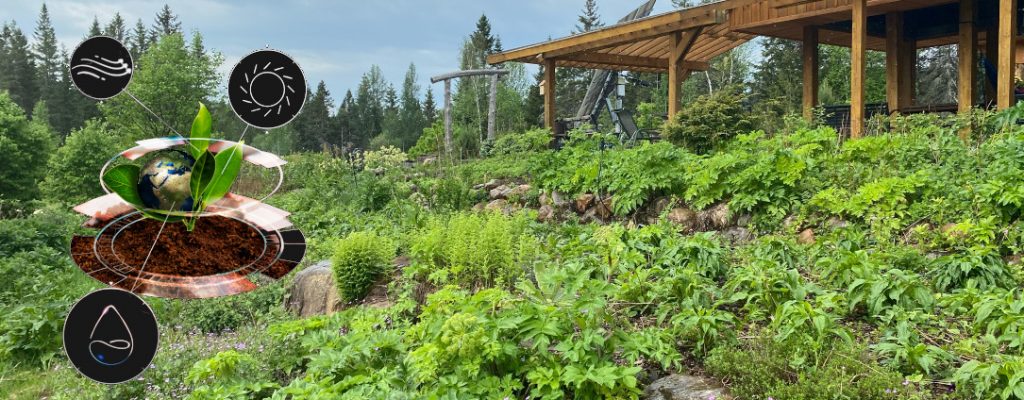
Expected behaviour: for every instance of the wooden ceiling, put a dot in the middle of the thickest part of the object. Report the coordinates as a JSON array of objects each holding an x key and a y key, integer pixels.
[{"x": 643, "y": 45}]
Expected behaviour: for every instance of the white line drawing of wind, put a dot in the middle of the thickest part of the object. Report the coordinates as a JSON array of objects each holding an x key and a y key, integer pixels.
[
  {"x": 117, "y": 344},
  {"x": 269, "y": 70},
  {"x": 102, "y": 68}
]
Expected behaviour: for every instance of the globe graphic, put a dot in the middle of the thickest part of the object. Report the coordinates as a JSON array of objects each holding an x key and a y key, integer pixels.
[{"x": 163, "y": 181}]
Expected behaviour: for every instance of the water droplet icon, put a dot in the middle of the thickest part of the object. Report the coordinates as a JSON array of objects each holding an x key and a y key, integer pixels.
[{"x": 110, "y": 342}]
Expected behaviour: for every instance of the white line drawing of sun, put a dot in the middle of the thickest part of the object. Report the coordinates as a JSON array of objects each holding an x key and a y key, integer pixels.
[{"x": 272, "y": 74}]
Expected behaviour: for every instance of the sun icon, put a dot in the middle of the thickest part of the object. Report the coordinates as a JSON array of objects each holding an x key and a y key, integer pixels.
[{"x": 268, "y": 89}]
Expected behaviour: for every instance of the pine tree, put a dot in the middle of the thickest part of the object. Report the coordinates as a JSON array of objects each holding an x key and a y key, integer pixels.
[
  {"x": 778, "y": 76},
  {"x": 116, "y": 28},
  {"x": 21, "y": 79},
  {"x": 166, "y": 23},
  {"x": 313, "y": 126},
  {"x": 94, "y": 29},
  {"x": 368, "y": 112},
  {"x": 343, "y": 122},
  {"x": 533, "y": 106},
  {"x": 54, "y": 90},
  {"x": 139, "y": 40},
  {"x": 589, "y": 19},
  {"x": 411, "y": 120},
  {"x": 429, "y": 107}
]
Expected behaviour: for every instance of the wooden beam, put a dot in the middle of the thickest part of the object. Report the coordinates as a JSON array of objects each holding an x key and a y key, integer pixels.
[
  {"x": 907, "y": 71},
  {"x": 549, "y": 94},
  {"x": 895, "y": 47},
  {"x": 617, "y": 34},
  {"x": 616, "y": 60},
  {"x": 680, "y": 44},
  {"x": 810, "y": 65},
  {"x": 448, "y": 116},
  {"x": 858, "y": 67},
  {"x": 1005, "y": 65},
  {"x": 968, "y": 62}
]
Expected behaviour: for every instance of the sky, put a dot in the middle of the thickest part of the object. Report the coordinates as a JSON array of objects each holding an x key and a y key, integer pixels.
[{"x": 335, "y": 41}]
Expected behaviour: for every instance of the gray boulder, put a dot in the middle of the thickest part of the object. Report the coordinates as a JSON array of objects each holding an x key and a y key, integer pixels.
[
  {"x": 313, "y": 292},
  {"x": 685, "y": 387}
]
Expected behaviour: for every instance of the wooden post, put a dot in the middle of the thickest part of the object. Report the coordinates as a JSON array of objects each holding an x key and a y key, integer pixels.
[
  {"x": 810, "y": 58},
  {"x": 549, "y": 94},
  {"x": 1007, "y": 54},
  {"x": 898, "y": 79},
  {"x": 907, "y": 79},
  {"x": 448, "y": 116},
  {"x": 675, "y": 72},
  {"x": 858, "y": 67},
  {"x": 968, "y": 62},
  {"x": 492, "y": 108},
  {"x": 679, "y": 45}
]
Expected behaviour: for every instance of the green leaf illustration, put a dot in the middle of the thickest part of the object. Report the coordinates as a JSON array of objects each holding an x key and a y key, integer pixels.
[
  {"x": 123, "y": 180},
  {"x": 202, "y": 172},
  {"x": 229, "y": 162},
  {"x": 201, "y": 127}
]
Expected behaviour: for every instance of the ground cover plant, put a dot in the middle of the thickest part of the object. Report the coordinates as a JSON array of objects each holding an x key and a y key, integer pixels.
[{"x": 907, "y": 286}]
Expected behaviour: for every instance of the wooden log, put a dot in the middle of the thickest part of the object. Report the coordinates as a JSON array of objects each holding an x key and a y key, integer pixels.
[
  {"x": 448, "y": 116},
  {"x": 492, "y": 108},
  {"x": 549, "y": 94},
  {"x": 810, "y": 66},
  {"x": 968, "y": 62},
  {"x": 1005, "y": 65},
  {"x": 858, "y": 67},
  {"x": 898, "y": 80}
]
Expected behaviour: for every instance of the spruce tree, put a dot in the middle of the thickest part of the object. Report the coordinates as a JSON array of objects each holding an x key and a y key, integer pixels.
[
  {"x": 429, "y": 107},
  {"x": 166, "y": 23},
  {"x": 411, "y": 121},
  {"x": 589, "y": 19},
  {"x": 54, "y": 90},
  {"x": 312, "y": 127},
  {"x": 116, "y": 28},
  {"x": 94, "y": 29},
  {"x": 21, "y": 79},
  {"x": 343, "y": 121},
  {"x": 139, "y": 40}
]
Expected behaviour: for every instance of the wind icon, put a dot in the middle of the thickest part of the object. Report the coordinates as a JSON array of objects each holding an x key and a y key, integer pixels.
[{"x": 101, "y": 68}]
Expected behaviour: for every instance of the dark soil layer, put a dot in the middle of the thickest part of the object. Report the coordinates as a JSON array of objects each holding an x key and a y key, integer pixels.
[{"x": 216, "y": 245}]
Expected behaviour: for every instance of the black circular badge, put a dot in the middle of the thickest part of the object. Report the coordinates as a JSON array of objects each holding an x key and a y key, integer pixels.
[
  {"x": 267, "y": 89},
  {"x": 110, "y": 336},
  {"x": 101, "y": 67}
]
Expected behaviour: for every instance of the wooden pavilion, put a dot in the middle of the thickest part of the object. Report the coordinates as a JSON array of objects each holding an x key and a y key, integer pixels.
[{"x": 684, "y": 41}]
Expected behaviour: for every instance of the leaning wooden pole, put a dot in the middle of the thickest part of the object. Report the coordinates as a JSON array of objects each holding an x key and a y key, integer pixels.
[
  {"x": 448, "y": 116},
  {"x": 858, "y": 67},
  {"x": 492, "y": 108}
]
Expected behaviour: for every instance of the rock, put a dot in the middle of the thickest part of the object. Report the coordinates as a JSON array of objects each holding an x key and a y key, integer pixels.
[
  {"x": 744, "y": 220},
  {"x": 543, "y": 199},
  {"x": 684, "y": 217},
  {"x": 429, "y": 160},
  {"x": 497, "y": 205},
  {"x": 558, "y": 200},
  {"x": 491, "y": 184},
  {"x": 591, "y": 216},
  {"x": 836, "y": 223},
  {"x": 738, "y": 235},
  {"x": 604, "y": 208},
  {"x": 518, "y": 191},
  {"x": 479, "y": 186},
  {"x": 1013, "y": 259},
  {"x": 479, "y": 206},
  {"x": 545, "y": 213},
  {"x": 314, "y": 292},
  {"x": 659, "y": 205},
  {"x": 584, "y": 201},
  {"x": 789, "y": 221},
  {"x": 499, "y": 192},
  {"x": 716, "y": 217},
  {"x": 685, "y": 387},
  {"x": 806, "y": 236}
]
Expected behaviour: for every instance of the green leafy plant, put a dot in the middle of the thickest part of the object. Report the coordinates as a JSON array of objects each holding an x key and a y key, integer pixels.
[
  {"x": 212, "y": 175},
  {"x": 359, "y": 259}
]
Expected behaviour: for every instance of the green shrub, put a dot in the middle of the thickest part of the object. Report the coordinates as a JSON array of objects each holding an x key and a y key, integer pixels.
[
  {"x": 429, "y": 142},
  {"x": 25, "y": 147},
  {"x": 708, "y": 121},
  {"x": 529, "y": 141},
  {"x": 359, "y": 259},
  {"x": 231, "y": 312}
]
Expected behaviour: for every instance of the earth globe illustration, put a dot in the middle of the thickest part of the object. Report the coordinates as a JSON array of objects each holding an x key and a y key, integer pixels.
[{"x": 164, "y": 181}]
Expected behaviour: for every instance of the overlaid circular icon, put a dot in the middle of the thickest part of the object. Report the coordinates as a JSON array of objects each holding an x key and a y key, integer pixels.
[
  {"x": 101, "y": 67},
  {"x": 110, "y": 336},
  {"x": 267, "y": 89}
]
